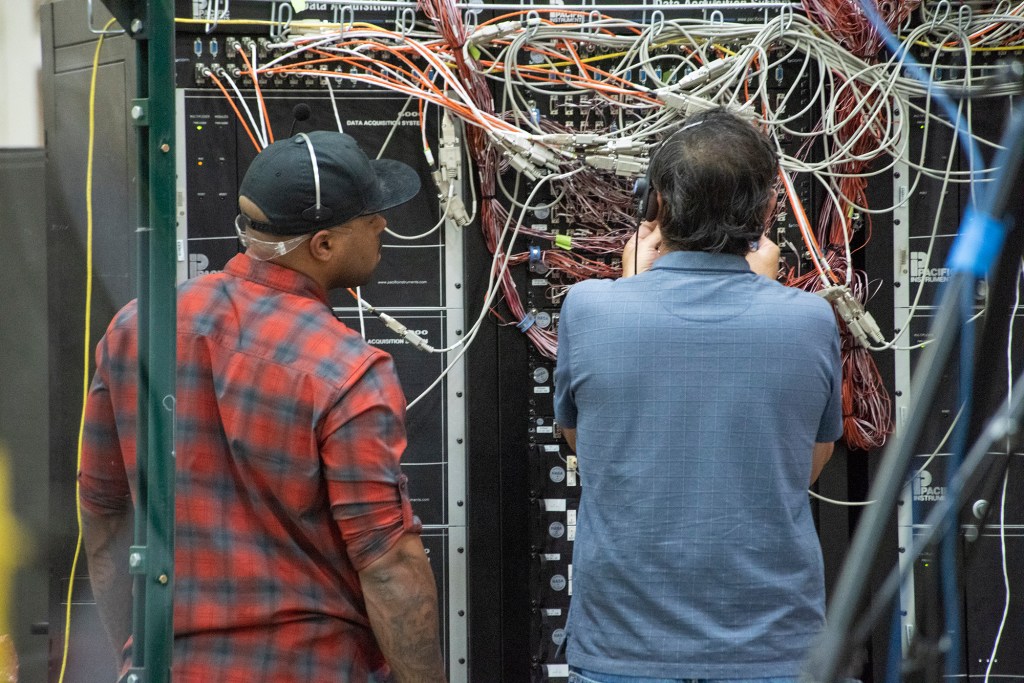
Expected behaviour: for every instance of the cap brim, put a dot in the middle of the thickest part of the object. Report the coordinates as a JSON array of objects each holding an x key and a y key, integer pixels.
[{"x": 398, "y": 183}]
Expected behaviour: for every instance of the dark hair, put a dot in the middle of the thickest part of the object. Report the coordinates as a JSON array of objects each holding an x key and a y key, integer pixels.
[{"x": 714, "y": 176}]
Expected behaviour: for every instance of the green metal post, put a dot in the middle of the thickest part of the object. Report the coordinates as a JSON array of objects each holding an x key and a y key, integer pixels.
[{"x": 151, "y": 24}]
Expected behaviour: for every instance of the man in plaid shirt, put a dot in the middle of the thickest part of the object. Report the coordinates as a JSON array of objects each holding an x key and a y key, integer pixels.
[{"x": 297, "y": 555}]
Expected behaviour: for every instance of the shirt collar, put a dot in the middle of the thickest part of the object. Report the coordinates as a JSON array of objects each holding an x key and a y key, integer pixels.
[
  {"x": 702, "y": 260},
  {"x": 275, "y": 276}
]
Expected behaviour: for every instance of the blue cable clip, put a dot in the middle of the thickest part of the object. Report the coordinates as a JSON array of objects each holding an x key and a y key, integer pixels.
[
  {"x": 977, "y": 246},
  {"x": 535, "y": 254},
  {"x": 528, "y": 321}
]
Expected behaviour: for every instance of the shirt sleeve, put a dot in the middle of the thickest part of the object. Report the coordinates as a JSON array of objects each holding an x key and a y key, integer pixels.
[
  {"x": 565, "y": 406},
  {"x": 103, "y": 480},
  {"x": 364, "y": 438},
  {"x": 830, "y": 428}
]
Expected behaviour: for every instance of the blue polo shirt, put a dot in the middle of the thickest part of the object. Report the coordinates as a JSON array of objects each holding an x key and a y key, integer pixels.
[{"x": 698, "y": 390}]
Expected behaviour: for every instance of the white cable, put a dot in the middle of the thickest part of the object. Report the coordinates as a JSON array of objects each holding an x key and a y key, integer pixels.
[
  {"x": 238, "y": 93},
  {"x": 334, "y": 105},
  {"x": 847, "y": 503},
  {"x": 431, "y": 231},
  {"x": 1006, "y": 578},
  {"x": 362, "y": 320},
  {"x": 259, "y": 95},
  {"x": 493, "y": 289},
  {"x": 1006, "y": 477}
]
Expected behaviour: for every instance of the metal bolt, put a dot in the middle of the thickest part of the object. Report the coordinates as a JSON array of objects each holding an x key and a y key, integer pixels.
[
  {"x": 459, "y": 503},
  {"x": 462, "y": 612},
  {"x": 458, "y": 440},
  {"x": 136, "y": 25},
  {"x": 162, "y": 579},
  {"x": 458, "y": 332},
  {"x": 165, "y": 148},
  {"x": 461, "y": 550},
  {"x": 135, "y": 559},
  {"x": 137, "y": 112},
  {"x": 458, "y": 394},
  {"x": 462, "y": 660},
  {"x": 458, "y": 285}
]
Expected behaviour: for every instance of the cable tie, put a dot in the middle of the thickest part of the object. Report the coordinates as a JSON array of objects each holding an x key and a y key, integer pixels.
[
  {"x": 563, "y": 241},
  {"x": 528, "y": 321},
  {"x": 535, "y": 254},
  {"x": 977, "y": 246}
]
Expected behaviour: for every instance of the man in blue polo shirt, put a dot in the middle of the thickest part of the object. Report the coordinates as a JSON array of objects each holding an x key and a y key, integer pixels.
[{"x": 702, "y": 399}]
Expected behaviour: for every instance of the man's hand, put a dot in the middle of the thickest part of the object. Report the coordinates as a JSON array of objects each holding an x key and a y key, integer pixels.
[
  {"x": 401, "y": 600},
  {"x": 765, "y": 259},
  {"x": 649, "y": 235}
]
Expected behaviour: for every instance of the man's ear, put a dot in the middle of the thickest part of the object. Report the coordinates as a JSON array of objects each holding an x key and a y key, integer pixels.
[{"x": 323, "y": 244}]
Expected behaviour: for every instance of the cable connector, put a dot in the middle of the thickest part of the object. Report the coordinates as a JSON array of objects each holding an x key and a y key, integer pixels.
[
  {"x": 625, "y": 145},
  {"x": 571, "y": 139},
  {"x": 700, "y": 76},
  {"x": 682, "y": 102},
  {"x": 690, "y": 105},
  {"x": 523, "y": 165},
  {"x": 404, "y": 332},
  {"x": 521, "y": 145},
  {"x": 501, "y": 30},
  {"x": 455, "y": 207},
  {"x": 859, "y": 321},
  {"x": 449, "y": 148},
  {"x": 448, "y": 172},
  {"x": 620, "y": 165}
]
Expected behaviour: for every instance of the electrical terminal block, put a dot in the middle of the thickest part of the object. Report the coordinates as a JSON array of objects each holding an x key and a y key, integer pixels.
[
  {"x": 859, "y": 321},
  {"x": 620, "y": 165}
]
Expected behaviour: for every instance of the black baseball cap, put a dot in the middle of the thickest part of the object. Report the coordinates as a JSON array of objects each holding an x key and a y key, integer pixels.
[{"x": 283, "y": 183}]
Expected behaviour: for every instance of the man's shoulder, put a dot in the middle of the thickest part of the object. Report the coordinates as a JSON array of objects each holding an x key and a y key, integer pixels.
[
  {"x": 799, "y": 303},
  {"x": 126, "y": 318},
  {"x": 588, "y": 290}
]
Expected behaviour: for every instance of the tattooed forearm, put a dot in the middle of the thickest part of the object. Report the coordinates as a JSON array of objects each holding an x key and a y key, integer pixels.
[
  {"x": 107, "y": 541},
  {"x": 401, "y": 599}
]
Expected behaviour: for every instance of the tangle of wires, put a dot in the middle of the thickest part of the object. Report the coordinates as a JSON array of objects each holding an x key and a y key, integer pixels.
[{"x": 583, "y": 97}]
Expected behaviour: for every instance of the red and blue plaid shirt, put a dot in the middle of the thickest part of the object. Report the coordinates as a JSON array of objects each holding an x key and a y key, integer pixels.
[{"x": 288, "y": 434}]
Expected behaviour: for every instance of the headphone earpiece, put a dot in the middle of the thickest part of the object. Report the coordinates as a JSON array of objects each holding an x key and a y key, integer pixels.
[{"x": 647, "y": 204}]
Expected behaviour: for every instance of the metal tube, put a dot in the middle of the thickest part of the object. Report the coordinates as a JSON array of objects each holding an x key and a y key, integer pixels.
[{"x": 162, "y": 344}]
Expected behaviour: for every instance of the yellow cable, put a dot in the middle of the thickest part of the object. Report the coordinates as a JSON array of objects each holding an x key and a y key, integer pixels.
[{"x": 87, "y": 345}]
